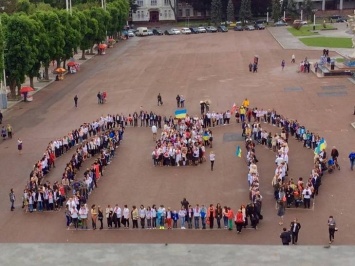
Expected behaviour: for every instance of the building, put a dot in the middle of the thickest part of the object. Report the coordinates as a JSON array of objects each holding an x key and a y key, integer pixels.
[
  {"x": 153, "y": 11},
  {"x": 331, "y": 4}
]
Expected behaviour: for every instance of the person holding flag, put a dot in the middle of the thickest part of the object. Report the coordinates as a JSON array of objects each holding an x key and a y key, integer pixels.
[{"x": 238, "y": 152}]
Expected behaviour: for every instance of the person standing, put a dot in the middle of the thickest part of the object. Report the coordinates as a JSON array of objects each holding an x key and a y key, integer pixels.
[
  {"x": 178, "y": 101},
  {"x": 218, "y": 215},
  {"x": 19, "y": 146},
  {"x": 83, "y": 212},
  {"x": 160, "y": 101},
  {"x": 101, "y": 217},
  {"x": 239, "y": 221},
  {"x": 154, "y": 131},
  {"x": 76, "y": 100},
  {"x": 135, "y": 216},
  {"x": 1, "y": 116},
  {"x": 182, "y": 101},
  {"x": 283, "y": 64},
  {"x": 352, "y": 160},
  {"x": 212, "y": 159},
  {"x": 99, "y": 98},
  {"x": 12, "y": 199},
  {"x": 281, "y": 210},
  {"x": 332, "y": 228},
  {"x": 93, "y": 216},
  {"x": 9, "y": 131},
  {"x": 210, "y": 215},
  {"x": 285, "y": 237},
  {"x": 293, "y": 59},
  {"x": 335, "y": 154},
  {"x": 295, "y": 228}
]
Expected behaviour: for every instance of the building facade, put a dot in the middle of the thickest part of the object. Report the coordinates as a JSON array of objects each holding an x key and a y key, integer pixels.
[
  {"x": 153, "y": 11},
  {"x": 331, "y": 4}
]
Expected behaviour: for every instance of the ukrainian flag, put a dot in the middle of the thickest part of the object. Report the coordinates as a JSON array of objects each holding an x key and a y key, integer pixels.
[
  {"x": 321, "y": 145},
  {"x": 181, "y": 113},
  {"x": 238, "y": 152},
  {"x": 206, "y": 136}
]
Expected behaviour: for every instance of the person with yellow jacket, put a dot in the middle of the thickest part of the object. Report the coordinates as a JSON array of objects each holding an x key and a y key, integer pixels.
[
  {"x": 246, "y": 103},
  {"x": 242, "y": 112}
]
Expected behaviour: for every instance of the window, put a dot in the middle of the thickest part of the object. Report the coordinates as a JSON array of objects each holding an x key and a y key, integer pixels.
[
  {"x": 153, "y": 2},
  {"x": 166, "y": 2},
  {"x": 165, "y": 13},
  {"x": 180, "y": 12},
  {"x": 140, "y": 2},
  {"x": 139, "y": 14},
  {"x": 169, "y": 12},
  {"x": 187, "y": 11}
]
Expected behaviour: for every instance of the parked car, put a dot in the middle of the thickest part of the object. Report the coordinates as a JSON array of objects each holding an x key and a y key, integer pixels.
[
  {"x": 185, "y": 31},
  {"x": 211, "y": 29},
  {"x": 158, "y": 32},
  {"x": 222, "y": 29},
  {"x": 280, "y": 23},
  {"x": 238, "y": 28},
  {"x": 142, "y": 31},
  {"x": 194, "y": 30},
  {"x": 259, "y": 27},
  {"x": 130, "y": 33},
  {"x": 334, "y": 17},
  {"x": 340, "y": 20},
  {"x": 260, "y": 21},
  {"x": 169, "y": 32},
  {"x": 302, "y": 22},
  {"x": 150, "y": 33},
  {"x": 202, "y": 29},
  {"x": 249, "y": 28},
  {"x": 176, "y": 31}
]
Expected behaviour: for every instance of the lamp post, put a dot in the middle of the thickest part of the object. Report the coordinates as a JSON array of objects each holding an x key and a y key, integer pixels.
[{"x": 314, "y": 18}]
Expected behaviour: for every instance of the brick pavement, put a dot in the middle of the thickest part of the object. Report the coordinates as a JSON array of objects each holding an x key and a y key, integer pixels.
[{"x": 197, "y": 67}]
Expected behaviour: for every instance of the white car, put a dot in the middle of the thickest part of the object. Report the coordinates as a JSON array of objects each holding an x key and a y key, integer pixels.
[
  {"x": 131, "y": 33},
  {"x": 176, "y": 31},
  {"x": 202, "y": 29},
  {"x": 185, "y": 31},
  {"x": 150, "y": 33}
]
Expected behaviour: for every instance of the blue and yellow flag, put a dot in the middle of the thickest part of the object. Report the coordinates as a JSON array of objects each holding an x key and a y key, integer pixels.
[
  {"x": 321, "y": 145},
  {"x": 181, "y": 113},
  {"x": 238, "y": 152}
]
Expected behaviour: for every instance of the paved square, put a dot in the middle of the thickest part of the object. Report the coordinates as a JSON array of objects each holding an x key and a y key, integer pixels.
[{"x": 204, "y": 66}]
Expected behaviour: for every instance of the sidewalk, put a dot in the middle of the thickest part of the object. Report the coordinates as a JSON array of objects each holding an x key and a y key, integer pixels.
[
  {"x": 288, "y": 41},
  {"x": 39, "y": 85}
]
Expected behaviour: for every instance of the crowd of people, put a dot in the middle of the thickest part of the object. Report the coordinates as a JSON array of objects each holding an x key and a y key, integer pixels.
[
  {"x": 99, "y": 138},
  {"x": 78, "y": 216}
]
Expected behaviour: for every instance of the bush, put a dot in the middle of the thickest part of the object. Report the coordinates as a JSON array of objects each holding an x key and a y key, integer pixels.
[{"x": 297, "y": 26}]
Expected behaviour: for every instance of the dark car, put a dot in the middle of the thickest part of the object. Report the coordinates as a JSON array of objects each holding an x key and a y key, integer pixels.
[
  {"x": 157, "y": 32},
  {"x": 169, "y": 32},
  {"x": 341, "y": 20},
  {"x": 249, "y": 28},
  {"x": 238, "y": 28},
  {"x": 194, "y": 30},
  {"x": 259, "y": 27},
  {"x": 280, "y": 23},
  {"x": 222, "y": 29},
  {"x": 334, "y": 17},
  {"x": 260, "y": 21}
]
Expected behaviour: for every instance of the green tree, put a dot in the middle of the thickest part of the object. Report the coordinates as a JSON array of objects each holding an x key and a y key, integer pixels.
[
  {"x": 230, "y": 11},
  {"x": 55, "y": 34},
  {"x": 89, "y": 38},
  {"x": 276, "y": 10},
  {"x": 71, "y": 30},
  {"x": 103, "y": 19},
  {"x": 23, "y": 6},
  {"x": 20, "y": 50},
  {"x": 216, "y": 12},
  {"x": 245, "y": 11},
  {"x": 292, "y": 8},
  {"x": 307, "y": 8}
]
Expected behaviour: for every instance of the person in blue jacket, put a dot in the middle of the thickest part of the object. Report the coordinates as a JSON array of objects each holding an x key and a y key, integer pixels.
[{"x": 352, "y": 160}]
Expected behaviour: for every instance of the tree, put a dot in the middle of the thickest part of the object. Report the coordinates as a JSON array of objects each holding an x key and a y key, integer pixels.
[
  {"x": 20, "y": 50},
  {"x": 307, "y": 8},
  {"x": 55, "y": 34},
  {"x": 88, "y": 39},
  {"x": 245, "y": 11},
  {"x": 23, "y": 6},
  {"x": 216, "y": 12},
  {"x": 292, "y": 8},
  {"x": 276, "y": 10},
  {"x": 103, "y": 18},
  {"x": 173, "y": 6},
  {"x": 230, "y": 11},
  {"x": 201, "y": 6}
]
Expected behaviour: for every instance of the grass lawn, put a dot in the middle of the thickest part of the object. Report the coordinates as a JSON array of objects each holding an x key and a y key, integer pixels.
[
  {"x": 330, "y": 42},
  {"x": 307, "y": 30}
]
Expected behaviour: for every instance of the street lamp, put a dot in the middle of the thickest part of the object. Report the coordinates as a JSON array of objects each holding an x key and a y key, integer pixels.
[{"x": 314, "y": 18}]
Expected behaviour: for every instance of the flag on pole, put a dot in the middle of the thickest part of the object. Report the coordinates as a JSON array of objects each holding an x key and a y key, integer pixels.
[
  {"x": 181, "y": 113},
  {"x": 238, "y": 152},
  {"x": 234, "y": 108}
]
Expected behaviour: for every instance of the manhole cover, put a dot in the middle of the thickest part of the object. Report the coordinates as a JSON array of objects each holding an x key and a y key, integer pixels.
[
  {"x": 332, "y": 93},
  {"x": 290, "y": 89},
  {"x": 228, "y": 137}
]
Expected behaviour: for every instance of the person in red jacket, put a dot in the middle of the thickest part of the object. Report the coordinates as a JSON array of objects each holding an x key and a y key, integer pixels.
[
  {"x": 210, "y": 215},
  {"x": 239, "y": 221}
]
